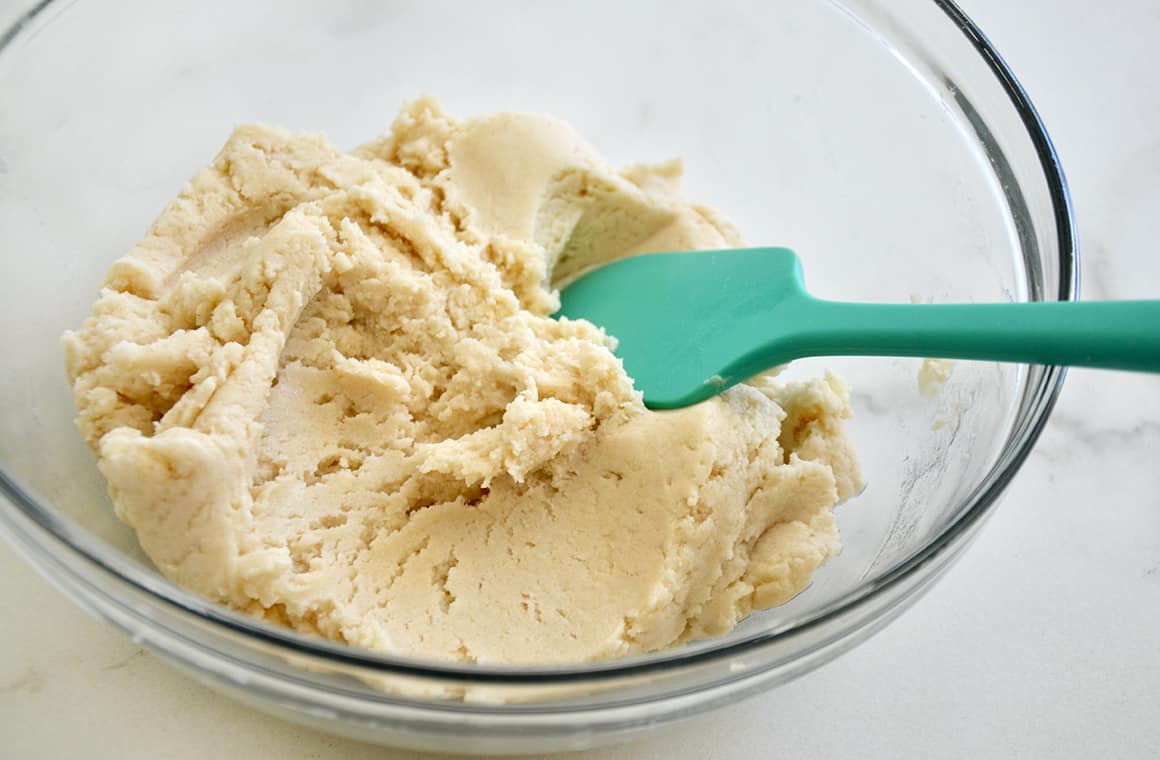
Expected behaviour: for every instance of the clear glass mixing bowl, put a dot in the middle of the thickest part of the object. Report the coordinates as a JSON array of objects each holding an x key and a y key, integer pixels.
[{"x": 885, "y": 141}]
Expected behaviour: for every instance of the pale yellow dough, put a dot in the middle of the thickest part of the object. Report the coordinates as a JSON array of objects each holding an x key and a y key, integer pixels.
[
  {"x": 325, "y": 389},
  {"x": 933, "y": 375}
]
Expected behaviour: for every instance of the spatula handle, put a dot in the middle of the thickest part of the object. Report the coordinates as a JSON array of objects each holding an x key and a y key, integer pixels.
[{"x": 1109, "y": 334}]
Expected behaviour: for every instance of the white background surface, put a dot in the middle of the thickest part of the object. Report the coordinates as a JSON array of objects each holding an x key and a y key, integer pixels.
[{"x": 1044, "y": 641}]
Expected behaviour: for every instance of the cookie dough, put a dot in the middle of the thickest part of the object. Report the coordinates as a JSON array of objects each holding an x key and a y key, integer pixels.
[
  {"x": 326, "y": 390},
  {"x": 933, "y": 375}
]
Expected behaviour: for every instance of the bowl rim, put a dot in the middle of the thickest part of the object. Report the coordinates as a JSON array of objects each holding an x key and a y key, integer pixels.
[{"x": 1039, "y": 399}]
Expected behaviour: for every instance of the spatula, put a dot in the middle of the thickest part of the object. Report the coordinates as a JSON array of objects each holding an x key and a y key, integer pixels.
[{"x": 689, "y": 325}]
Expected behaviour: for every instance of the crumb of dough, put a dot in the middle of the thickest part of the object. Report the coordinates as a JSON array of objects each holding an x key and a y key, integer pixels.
[
  {"x": 933, "y": 375},
  {"x": 326, "y": 390}
]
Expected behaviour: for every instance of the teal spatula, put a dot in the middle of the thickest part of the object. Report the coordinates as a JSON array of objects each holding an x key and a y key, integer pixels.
[{"x": 690, "y": 325}]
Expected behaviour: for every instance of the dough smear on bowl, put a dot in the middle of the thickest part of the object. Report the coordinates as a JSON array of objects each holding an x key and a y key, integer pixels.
[{"x": 326, "y": 390}]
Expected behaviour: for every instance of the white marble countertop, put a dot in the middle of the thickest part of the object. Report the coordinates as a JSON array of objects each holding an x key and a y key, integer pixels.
[{"x": 1041, "y": 642}]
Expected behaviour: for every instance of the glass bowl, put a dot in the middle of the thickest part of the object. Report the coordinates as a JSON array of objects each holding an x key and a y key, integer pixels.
[{"x": 887, "y": 142}]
